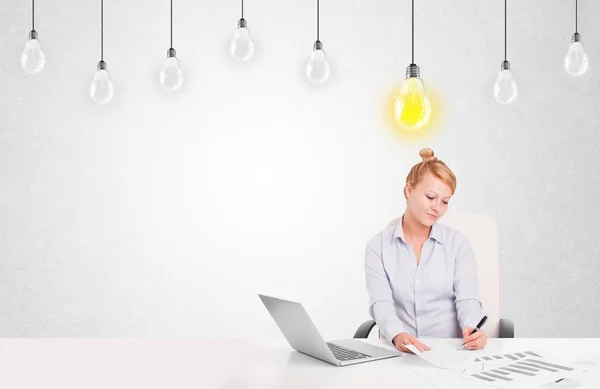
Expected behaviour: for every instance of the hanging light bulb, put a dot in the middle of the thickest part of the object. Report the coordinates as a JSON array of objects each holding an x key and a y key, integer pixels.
[
  {"x": 412, "y": 109},
  {"x": 33, "y": 58},
  {"x": 317, "y": 68},
  {"x": 576, "y": 61},
  {"x": 242, "y": 47},
  {"x": 101, "y": 89},
  {"x": 505, "y": 89},
  {"x": 171, "y": 76}
]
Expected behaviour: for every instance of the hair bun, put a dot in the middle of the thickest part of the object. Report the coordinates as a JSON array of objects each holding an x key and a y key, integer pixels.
[{"x": 427, "y": 155}]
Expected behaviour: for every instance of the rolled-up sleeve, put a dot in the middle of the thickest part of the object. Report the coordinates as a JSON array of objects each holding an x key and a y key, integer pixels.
[
  {"x": 466, "y": 288},
  {"x": 381, "y": 301}
]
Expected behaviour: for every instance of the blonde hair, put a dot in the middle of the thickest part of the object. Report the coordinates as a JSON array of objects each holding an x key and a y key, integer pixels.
[{"x": 430, "y": 164}]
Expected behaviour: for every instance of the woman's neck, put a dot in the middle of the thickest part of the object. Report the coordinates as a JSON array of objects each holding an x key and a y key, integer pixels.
[{"x": 413, "y": 230}]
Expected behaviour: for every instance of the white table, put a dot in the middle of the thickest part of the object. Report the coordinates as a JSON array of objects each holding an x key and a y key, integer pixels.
[{"x": 231, "y": 364}]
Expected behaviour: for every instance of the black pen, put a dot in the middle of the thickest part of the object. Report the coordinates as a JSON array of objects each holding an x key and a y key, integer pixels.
[{"x": 478, "y": 326}]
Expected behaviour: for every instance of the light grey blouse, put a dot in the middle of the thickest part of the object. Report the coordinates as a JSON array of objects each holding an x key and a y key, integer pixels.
[{"x": 434, "y": 299}]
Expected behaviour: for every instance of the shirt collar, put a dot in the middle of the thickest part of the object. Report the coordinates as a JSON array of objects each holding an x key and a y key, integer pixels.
[{"x": 436, "y": 231}]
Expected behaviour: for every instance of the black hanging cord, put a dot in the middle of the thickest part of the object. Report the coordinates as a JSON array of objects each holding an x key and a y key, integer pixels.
[
  {"x": 413, "y": 31},
  {"x": 171, "y": 23},
  {"x": 33, "y": 14},
  {"x": 101, "y": 30},
  {"x": 242, "y": 9},
  {"x": 576, "y": 16},
  {"x": 505, "y": 30},
  {"x": 317, "y": 19}
]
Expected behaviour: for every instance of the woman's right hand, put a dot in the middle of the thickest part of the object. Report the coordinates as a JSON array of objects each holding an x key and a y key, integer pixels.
[{"x": 403, "y": 339}]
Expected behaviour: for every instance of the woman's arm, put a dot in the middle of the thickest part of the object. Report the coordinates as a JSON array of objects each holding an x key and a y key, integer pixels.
[
  {"x": 381, "y": 301},
  {"x": 466, "y": 286}
]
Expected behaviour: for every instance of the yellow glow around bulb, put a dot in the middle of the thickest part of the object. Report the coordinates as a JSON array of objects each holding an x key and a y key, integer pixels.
[{"x": 412, "y": 109}]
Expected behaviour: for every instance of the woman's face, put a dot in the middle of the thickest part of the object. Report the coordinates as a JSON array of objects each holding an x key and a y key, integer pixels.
[{"x": 428, "y": 201}]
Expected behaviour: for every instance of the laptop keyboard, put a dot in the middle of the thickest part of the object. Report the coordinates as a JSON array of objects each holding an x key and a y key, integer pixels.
[{"x": 345, "y": 354}]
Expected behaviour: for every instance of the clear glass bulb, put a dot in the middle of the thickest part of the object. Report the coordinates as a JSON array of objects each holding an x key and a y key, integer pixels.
[
  {"x": 576, "y": 61},
  {"x": 412, "y": 109},
  {"x": 33, "y": 58},
  {"x": 505, "y": 89},
  {"x": 317, "y": 69},
  {"x": 242, "y": 47},
  {"x": 102, "y": 89},
  {"x": 171, "y": 76}
]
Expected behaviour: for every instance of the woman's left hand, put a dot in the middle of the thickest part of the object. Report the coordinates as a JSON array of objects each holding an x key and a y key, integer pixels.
[{"x": 477, "y": 341}]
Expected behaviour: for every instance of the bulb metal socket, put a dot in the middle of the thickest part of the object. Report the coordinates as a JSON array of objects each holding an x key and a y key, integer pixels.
[{"x": 413, "y": 70}]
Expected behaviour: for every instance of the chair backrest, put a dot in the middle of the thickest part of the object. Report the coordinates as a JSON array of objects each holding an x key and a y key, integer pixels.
[{"x": 482, "y": 233}]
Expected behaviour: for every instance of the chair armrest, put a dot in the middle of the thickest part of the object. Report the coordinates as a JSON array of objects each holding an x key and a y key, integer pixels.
[
  {"x": 364, "y": 329},
  {"x": 507, "y": 328}
]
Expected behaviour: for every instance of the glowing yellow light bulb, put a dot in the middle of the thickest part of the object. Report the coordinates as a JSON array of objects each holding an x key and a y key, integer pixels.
[{"x": 412, "y": 108}]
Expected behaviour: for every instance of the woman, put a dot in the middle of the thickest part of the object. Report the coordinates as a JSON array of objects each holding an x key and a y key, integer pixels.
[{"x": 421, "y": 276}]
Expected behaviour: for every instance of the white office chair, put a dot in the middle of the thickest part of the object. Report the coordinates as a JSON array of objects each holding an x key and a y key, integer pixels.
[{"x": 482, "y": 233}]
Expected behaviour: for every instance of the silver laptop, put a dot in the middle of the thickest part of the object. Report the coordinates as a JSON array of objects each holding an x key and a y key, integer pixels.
[{"x": 303, "y": 336}]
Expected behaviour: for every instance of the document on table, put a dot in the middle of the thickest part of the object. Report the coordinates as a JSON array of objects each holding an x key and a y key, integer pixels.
[
  {"x": 529, "y": 369},
  {"x": 504, "y": 359},
  {"x": 508, "y": 371},
  {"x": 446, "y": 358},
  {"x": 446, "y": 379}
]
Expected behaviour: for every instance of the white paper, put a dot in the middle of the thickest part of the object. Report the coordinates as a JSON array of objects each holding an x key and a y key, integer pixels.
[
  {"x": 442, "y": 378},
  {"x": 446, "y": 358},
  {"x": 495, "y": 360},
  {"x": 527, "y": 370}
]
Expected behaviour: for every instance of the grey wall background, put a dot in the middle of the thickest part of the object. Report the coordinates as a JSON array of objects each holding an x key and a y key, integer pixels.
[{"x": 163, "y": 215}]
